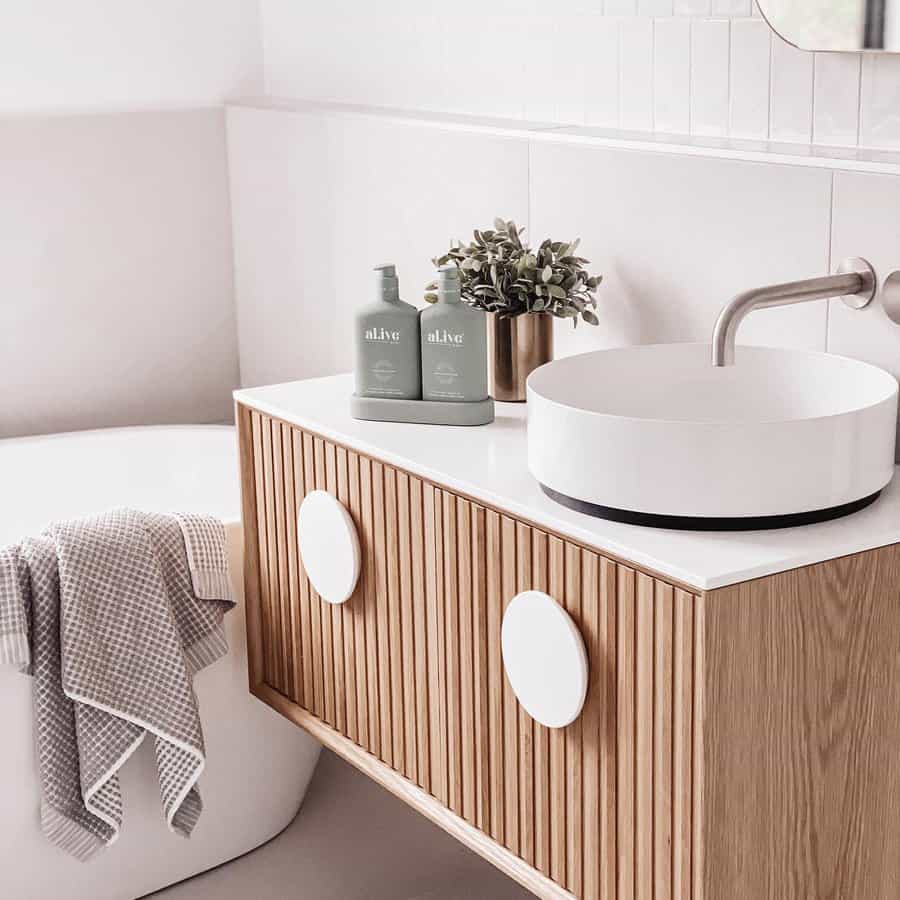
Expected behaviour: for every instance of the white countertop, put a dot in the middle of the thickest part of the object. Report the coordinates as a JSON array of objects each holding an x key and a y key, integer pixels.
[{"x": 489, "y": 463}]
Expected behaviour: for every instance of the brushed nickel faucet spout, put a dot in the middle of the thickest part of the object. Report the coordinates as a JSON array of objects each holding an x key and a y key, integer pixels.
[{"x": 854, "y": 282}]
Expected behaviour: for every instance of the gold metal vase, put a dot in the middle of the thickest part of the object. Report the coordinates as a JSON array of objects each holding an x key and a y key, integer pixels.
[{"x": 517, "y": 345}]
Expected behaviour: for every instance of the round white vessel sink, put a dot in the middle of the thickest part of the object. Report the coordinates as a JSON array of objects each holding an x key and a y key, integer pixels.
[{"x": 657, "y": 435}]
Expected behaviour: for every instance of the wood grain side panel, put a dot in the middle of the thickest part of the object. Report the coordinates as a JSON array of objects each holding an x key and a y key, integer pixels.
[
  {"x": 511, "y": 762},
  {"x": 801, "y": 675}
]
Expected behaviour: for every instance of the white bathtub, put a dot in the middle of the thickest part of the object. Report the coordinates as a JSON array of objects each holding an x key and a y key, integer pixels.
[{"x": 258, "y": 764}]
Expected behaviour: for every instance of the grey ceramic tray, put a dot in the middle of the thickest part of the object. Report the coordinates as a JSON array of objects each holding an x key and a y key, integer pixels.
[{"x": 422, "y": 412}]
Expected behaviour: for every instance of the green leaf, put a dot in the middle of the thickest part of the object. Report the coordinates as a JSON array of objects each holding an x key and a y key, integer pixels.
[
  {"x": 589, "y": 317},
  {"x": 556, "y": 291},
  {"x": 431, "y": 298},
  {"x": 546, "y": 274}
]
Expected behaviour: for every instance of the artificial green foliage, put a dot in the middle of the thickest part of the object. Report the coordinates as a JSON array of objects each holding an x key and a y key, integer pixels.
[{"x": 500, "y": 273}]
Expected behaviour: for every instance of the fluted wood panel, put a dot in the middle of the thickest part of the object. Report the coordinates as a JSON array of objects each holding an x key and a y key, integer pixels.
[{"x": 410, "y": 668}]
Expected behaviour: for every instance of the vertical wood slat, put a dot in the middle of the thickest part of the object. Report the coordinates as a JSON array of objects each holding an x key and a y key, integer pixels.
[
  {"x": 407, "y": 640},
  {"x": 394, "y": 627},
  {"x": 608, "y": 859},
  {"x": 334, "y": 613},
  {"x": 294, "y": 645},
  {"x": 625, "y": 732},
  {"x": 271, "y": 595},
  {"x": 510, "y": 706},
  {"x": 496, "y": 678},
  {"x": 557, "y": 587},
  {"x": 480, "y": 668},
  {"x": 370, "y": 612},
  {"x": 420, "y": 632},
  {"x": 526, "y": 723},
  {"x": 434, "y": 596},
  {"x": 379, "y": 510},
  {"x": 682, "y": 737},
  {"x": 249, "y": 459},
  {"x": 324, "y": 608},
  {"x": 542, "y": 810},
  {"x": 643, "y": 794},
  {"x": 663, "y": 623},
  {"x": 262, "y": 547},
  {"x": 411, "y": 668},
  {"x": 344, "y": 632},
  {"x": 451, "y": 654},
  {"x": 282, "y": 610},
  {"x": 357, "y": 605},
  {"x": 315, "y": 603},
  {"x": 466, "y": 657},
  {"x": 574, "y": 771},
  {"x": 591, "y": 752}
]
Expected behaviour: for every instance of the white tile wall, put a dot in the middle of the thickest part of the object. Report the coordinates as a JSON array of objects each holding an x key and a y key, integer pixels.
[
  {"x": 597, "y": 63},
  {"x": 665, "y": 234}
]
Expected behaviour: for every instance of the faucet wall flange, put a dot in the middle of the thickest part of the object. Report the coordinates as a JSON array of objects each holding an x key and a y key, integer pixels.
[{"x": 862, "y": 267}]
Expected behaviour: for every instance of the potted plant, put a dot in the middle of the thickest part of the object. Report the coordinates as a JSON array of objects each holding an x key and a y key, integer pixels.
[{"x": 522, "y": 290}]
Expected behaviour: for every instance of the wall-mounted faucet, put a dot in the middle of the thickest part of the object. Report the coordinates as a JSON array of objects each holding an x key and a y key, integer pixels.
[{"x": 855, "y": 282}]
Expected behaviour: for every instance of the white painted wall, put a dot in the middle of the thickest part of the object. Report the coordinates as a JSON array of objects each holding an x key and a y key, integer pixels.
[
  {"x": 115, "y": 240},
  {"x": 116, "y": 296},
  {"x": 100, "y": 55},
  {"x": 703, "y": 67}
]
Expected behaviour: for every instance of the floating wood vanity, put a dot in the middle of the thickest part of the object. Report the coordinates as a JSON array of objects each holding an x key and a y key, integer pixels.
[{"x": 740, "y": 736}]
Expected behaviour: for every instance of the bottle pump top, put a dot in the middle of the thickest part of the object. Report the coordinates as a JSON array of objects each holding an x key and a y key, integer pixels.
[
  {"x": 448, "y": 284},
  {"x": 388, "y": 285}
]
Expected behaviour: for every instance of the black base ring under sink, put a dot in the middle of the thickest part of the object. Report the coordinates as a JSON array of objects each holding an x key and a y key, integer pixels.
[{"x": 710, "y": 523}]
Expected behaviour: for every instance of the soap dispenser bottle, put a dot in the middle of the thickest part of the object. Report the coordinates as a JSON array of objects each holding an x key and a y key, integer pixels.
[
  {"x": 387, "y": 343},
  {"x": 454, "y": 345}
]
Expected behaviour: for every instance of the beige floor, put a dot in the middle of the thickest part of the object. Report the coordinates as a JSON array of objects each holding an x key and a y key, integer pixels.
[{"x": 352, "y": 841}]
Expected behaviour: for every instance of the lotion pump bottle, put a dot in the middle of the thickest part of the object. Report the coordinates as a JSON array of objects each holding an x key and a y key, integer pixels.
[
  {"x": 387, "y": 343},
  {"x": 454, "y": 345}
]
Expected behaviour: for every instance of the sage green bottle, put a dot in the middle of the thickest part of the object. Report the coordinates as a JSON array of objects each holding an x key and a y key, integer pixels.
[
  {"x": 454, "y": 345},
  {"x": 387, "y": 343}
]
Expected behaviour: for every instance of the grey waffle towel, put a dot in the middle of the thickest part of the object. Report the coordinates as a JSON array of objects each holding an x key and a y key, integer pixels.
[{"x": 118, "y": 613}]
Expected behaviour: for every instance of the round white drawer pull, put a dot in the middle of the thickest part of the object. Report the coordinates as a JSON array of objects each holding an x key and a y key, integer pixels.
[
  {"x": 545, "y": 659},
  {"x": 329, "y": 546}
]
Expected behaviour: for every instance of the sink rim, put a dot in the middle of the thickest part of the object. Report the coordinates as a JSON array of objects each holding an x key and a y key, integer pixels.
[{"x": 890, "y": 388}]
